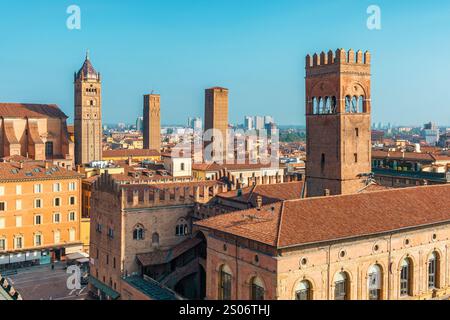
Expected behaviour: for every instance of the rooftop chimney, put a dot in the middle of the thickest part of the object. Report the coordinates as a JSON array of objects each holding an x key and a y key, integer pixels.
[{"x": 259, "y": 201}]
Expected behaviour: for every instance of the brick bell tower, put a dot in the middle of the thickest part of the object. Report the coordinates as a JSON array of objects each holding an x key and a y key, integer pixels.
[
  {"x": 338, "y": 122},
  {"x": 88, "y": 114}
]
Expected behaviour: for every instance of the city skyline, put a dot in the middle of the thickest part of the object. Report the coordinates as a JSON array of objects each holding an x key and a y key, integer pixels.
[{"x": 262, "y": 66}]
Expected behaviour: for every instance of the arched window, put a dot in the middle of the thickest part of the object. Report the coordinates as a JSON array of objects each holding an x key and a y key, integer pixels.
[
  {"x": 406, "y": 273},
  {"x": 155, "y": 239},
  {"x": 303, "y": 291},
  {"x": 333, "y": 105},
  {"x": 433, "y": 271},
  {"x": 321, "y": 106},
  {"x": 348, "y": 101},
  {"x": 225, "y": 283},
  {"x": 138, "y": 232},
  {"x": 257, "y": 289},
  {"x": 375, "y": 278},
  {"x": 354, "y": 106},
  {"x": 326, "y": 105},
  {"x": 315, "y": 106},
  {"x": 361, "y": 104},
  {"x": 341, "y": 286}
]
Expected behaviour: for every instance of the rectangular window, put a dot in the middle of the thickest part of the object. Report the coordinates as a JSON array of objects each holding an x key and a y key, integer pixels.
[
  {"x": 19, "y": 242},
  {"x": 38, "y": 188},
  {"x": 38, "y": 240},
  {"x": 72, "y": 216},
  {"x": 2, "y": 223},
  {"x": 56, "y": 218},
  {"x": 18, "y": 189},
  {"x": 37, "y": 220},
  {"x": 37, "y": 203},
  {"x": 356, "y": 157},
  {"x": 2, "y": 206},
  {"x": 356, "y": 132},
  {"x": 49, "y": 149},
  {"x": 57, "y": 187},
  {"x": 111, "y": 233},
  {"x": 2, "y": 190},
  {"x": 18, "y": 221},
  {"x": 72, "y": 201},
  {"x": 18, "y": 204},
  {"x": 99, "y": 228},
  {"x": 2, "y": 244},
  {"x": 57, "y": 202},
  {"x": 72, "y": 186}
]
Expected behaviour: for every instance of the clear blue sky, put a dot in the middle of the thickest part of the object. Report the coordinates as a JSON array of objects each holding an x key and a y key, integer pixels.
[{"x": 256, "y": 48}]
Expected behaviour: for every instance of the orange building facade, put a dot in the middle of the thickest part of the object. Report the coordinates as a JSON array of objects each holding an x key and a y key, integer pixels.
[{"x": 39, "y": 213}]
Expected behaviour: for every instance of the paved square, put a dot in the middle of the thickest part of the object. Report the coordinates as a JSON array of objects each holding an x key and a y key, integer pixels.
[{"x": 43, "y": 283}]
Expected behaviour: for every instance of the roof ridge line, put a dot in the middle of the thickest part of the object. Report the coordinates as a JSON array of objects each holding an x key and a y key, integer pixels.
[{"x": 279, "y": 225}]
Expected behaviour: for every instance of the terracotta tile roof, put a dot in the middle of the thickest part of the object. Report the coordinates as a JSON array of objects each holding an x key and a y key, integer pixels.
[
  {"x": 231, "y": 167},
  {"x": 373, "y": 186},
  {"x": 33, "y": 170},
  {"x": 402, "y": 155},
  {"x": 22, "y": 110},
  {"x": 315, "y": 220},
  {"x": 270, "y": 193},
  {"x": 130, "y": 153}
]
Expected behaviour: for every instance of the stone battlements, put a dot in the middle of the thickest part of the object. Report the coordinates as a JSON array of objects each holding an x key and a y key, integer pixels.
[{"x": 340, "y": 56}]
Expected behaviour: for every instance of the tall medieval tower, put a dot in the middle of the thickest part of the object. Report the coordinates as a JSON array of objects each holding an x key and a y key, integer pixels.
[
  {"x": 338, "y": 107},
  {"x": 152, "y": 122},
  {"x": 88, "y": 114}
]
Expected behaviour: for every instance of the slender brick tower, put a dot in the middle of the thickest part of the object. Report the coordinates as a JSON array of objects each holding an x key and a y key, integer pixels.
[
  {"x": 338, "y": 121},
  {"x": 88, "y": 114},
  {"x": 152, "y": 122}
]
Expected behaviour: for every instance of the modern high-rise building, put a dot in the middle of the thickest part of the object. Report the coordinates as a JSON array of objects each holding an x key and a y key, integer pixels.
[
  {"x": 140, "y": 124},
  {"x": 431, "y": 133},
  {"x": 195, "y": 123},
  {"x": 152, "y": 122},
  {"x": 268, "y": 120},
  {"x": 248, "y": 123},
  {"x": 259, "y": 123},
  {"x": 216, "y": 117},
  {"x": 88, "y": 114},
  {"x": 338, "y": 107}
]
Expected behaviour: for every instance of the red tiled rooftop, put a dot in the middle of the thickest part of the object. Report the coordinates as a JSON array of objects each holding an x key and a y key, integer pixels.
[
  {"x": 316, "y": 220},
  {"x": 22, "y": 110},
  {"x": 130, "y": 153},
  {"x": 270, "y": 193},
  {"x": 33, "y": 170}
]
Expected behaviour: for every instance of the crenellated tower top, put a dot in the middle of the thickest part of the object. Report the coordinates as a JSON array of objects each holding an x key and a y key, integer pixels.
[{"x": 340, "y": 56}]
